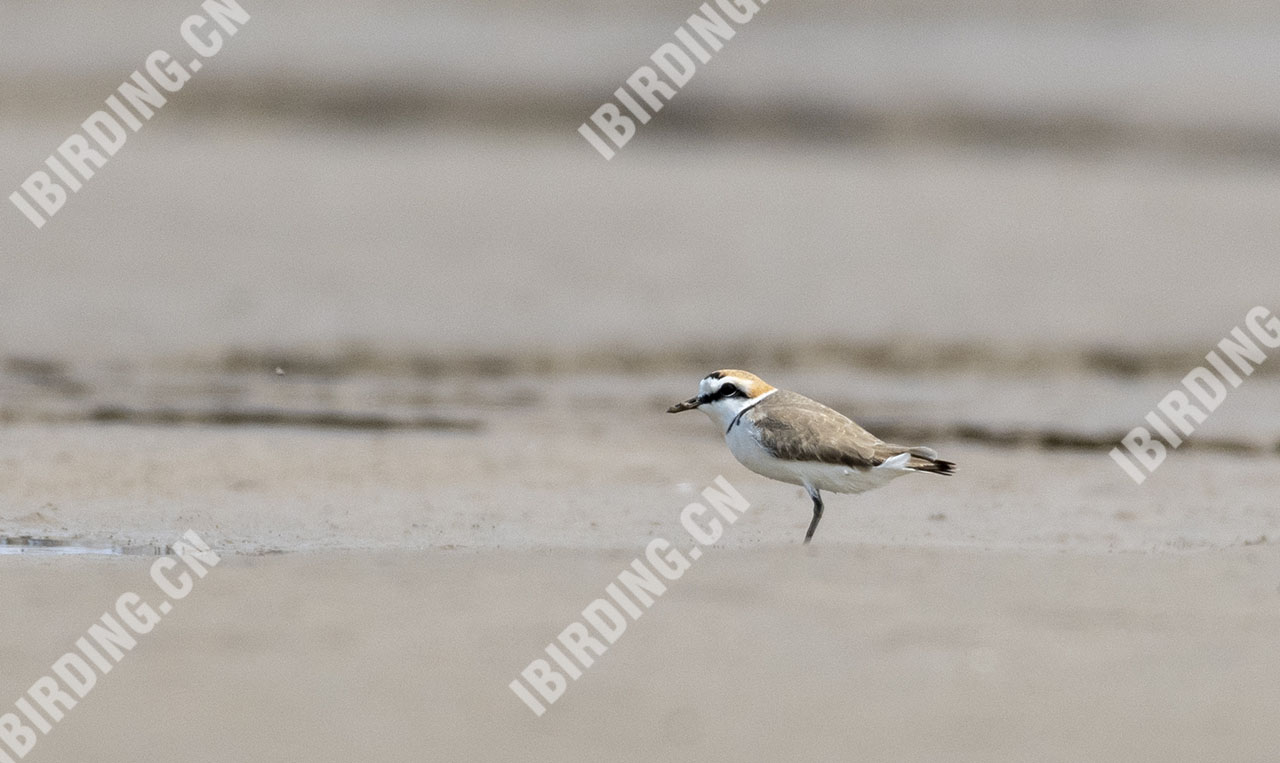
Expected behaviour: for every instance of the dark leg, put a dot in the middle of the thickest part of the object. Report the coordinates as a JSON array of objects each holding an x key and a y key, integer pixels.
[{"x": 817, "y": 512}]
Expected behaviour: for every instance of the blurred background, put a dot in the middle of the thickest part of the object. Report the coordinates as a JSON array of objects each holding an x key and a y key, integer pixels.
[
  {"x": 1009, "y": 222},
  {"x": 917, "y": 207},
  {"x": 1012, "y": 223},
  {"x": 407, "y": 177}
]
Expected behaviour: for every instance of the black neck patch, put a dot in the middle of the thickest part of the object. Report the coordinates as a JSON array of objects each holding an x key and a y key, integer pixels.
[{"x": 738, "y": 418}]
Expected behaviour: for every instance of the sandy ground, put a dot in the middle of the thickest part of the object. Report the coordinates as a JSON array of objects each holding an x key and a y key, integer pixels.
[
  {"x": 449, "y": 242},
  {"x": 833, "y": 653},
  {"x": 1038, "y": 605},
  {"x": 1004, "y": 229},
  {"x": 439, "y": 529},
  {"x": 256, "y": 491}
]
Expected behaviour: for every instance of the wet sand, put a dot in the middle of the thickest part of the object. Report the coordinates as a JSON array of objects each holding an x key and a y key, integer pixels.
[
  {"x": 916, "y": 244},
  {"x": 831, "y": 652},
  {"x": 1038, "y": 605},
  {"x": 362, "y": 309},
  {"x": 594, "y": 481}
]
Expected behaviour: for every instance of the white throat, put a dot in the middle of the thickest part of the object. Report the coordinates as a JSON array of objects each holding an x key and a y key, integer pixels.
[{"x": 725, "y": 411}]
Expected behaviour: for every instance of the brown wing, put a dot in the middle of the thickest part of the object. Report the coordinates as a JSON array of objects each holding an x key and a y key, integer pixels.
[{"x": 795, "y": 428}]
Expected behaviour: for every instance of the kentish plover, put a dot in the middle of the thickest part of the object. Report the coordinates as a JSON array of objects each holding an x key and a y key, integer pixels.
[{"x": 790, "y": 438}]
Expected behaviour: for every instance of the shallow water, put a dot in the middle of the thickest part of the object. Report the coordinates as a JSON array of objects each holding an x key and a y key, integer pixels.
[{"x": 28, "y": 545}]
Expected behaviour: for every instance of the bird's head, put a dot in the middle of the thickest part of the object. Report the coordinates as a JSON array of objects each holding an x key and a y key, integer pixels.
[{"x": 723, "y": 394}]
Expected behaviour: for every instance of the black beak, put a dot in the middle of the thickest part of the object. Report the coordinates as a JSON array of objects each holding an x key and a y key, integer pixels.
[{"x": 687, "y": 405}]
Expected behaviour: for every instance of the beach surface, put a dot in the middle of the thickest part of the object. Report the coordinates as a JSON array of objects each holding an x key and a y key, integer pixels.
[
  {"x": 381, "y": 585},
  {"x": 833, "y": 652},
  {"x": 361, "y": 309}
]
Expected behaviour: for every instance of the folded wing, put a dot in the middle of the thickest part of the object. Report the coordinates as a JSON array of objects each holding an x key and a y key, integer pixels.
[{"x": 795, "y": 428}]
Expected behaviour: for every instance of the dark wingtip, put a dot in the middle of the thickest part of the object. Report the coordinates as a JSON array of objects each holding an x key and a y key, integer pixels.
[
  {"x": 941, "y": 467},
  {"x": 936, "y": 466}
]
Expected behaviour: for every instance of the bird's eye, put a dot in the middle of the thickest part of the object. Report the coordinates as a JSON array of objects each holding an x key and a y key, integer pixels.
[{"x": 728, "y": 390}]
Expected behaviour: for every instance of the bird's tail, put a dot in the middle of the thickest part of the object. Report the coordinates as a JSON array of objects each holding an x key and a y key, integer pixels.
[{"x": 926, "y": 460}]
